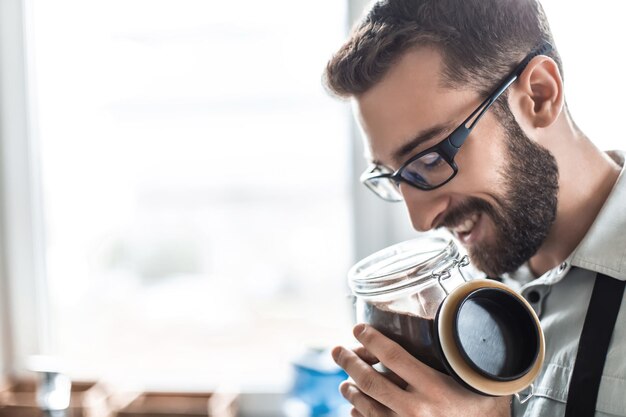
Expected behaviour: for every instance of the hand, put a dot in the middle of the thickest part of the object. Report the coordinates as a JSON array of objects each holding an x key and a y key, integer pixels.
[{"x": 415, "y": 390}]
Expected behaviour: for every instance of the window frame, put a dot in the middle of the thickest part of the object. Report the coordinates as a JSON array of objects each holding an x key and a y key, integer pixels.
[{"x": 24, "y": 314}]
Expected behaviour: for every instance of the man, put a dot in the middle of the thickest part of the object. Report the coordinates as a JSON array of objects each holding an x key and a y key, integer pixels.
[{"x": 520, "y": 186}]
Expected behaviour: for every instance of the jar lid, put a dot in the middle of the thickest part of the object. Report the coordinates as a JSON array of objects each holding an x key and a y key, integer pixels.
[{"x": 402, "y": 265}]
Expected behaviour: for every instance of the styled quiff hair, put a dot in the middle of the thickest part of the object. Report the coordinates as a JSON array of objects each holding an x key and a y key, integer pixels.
[{"x": 480, "y": 41}]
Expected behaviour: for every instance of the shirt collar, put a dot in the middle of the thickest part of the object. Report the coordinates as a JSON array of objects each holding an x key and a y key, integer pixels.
[{"x": 603, "y": 249}]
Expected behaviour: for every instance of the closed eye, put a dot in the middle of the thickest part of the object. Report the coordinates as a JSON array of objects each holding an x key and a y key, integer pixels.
[{"x": 431, "y": 160}]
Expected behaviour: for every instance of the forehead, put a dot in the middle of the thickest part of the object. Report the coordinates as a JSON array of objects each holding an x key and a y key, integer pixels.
[{"x": 408, "y": 100}]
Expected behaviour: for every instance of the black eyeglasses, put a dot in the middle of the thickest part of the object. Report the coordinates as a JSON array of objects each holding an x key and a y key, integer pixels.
[{"x": 435, "y": 166}]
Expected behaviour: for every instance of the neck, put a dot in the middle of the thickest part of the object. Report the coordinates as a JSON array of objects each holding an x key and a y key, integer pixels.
[{"x": 586, "y": 178}]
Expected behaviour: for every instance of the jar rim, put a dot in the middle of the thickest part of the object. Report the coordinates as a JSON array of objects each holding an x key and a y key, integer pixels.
[{"x": 402, "y": 265}]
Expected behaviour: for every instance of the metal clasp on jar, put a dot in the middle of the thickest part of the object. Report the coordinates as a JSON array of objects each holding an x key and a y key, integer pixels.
[{"x": 445, "y": 274}]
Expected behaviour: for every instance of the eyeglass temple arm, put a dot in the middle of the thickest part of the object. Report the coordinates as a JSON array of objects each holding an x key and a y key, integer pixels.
[{"x": 459, "y": 136}]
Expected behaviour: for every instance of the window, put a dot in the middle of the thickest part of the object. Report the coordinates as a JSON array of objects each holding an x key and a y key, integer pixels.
[{"x": 195, "y": 184}]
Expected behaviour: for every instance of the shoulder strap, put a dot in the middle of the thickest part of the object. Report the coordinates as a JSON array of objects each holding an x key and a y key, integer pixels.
[{"x": 606, "y": 299}]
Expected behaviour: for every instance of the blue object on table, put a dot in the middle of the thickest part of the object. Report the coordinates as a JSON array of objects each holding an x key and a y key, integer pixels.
[{"x": 316, "y": 386}]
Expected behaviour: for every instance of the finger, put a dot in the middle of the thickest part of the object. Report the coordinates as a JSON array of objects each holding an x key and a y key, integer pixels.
[
  {"x": 355, "y": 413},
  {"x": 373, "y": 360},
  {"x": 394, "y": 378},
  {"x": 363, "y": 404},
  {"x": 369, "y": 381},
  {"x": 365, "y": 355},
  {"x": 392, "y": 355}
]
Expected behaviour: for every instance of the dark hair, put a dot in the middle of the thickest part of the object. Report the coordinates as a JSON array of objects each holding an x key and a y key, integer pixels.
[{"x": 480, "y": 41}]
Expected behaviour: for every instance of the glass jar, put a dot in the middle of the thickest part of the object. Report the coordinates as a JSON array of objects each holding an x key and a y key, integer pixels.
[{"x": 425, "y": 295}]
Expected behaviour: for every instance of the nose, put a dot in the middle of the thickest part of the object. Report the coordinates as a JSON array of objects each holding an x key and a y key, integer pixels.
[{"x": 425, "y": 207}]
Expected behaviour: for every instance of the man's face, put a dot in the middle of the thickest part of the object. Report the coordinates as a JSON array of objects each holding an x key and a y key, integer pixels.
[{"x": 503, "y": 200}]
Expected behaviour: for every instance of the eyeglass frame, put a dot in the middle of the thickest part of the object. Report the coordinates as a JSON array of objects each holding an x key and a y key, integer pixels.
[{"x": 451, "y": 144}]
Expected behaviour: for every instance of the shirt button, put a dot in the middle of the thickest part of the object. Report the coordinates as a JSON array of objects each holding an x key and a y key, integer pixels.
[
  {"x": 533, "y": 297},
  {"x": 562, "y": 267}
]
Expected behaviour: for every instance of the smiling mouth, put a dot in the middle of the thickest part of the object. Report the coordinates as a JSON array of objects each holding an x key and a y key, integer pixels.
[{"x": 466, "y": 230}]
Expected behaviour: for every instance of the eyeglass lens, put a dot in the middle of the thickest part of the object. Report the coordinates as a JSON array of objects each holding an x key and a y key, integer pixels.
[{"x": 428, "y": 171}]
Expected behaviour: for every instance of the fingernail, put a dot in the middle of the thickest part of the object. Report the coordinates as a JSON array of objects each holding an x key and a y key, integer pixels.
[
  {"x": 336, "y": 352},
  {"x": 343, "y": 389},
  {"x": 358, "y": 330}
]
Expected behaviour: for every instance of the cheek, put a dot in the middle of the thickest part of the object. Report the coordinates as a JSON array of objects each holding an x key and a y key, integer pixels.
[{"x": 481, "y": 161}]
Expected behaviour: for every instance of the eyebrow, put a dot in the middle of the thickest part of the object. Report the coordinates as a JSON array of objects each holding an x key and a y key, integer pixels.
[{"x": 421, "y": 137}]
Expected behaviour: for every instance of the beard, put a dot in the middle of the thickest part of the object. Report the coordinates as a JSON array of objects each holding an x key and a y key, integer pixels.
[{"x": 523, "y": 213}]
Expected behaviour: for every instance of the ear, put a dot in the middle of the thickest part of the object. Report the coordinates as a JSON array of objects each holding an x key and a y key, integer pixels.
[{"x": 538, "y": 94}]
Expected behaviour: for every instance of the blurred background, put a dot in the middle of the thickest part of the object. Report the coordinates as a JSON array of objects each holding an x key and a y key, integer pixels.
[{"x": 179, "y": 196}]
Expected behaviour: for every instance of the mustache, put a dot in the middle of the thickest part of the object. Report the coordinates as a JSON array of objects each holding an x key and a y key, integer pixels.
[{"x": 465, "y": 209}]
